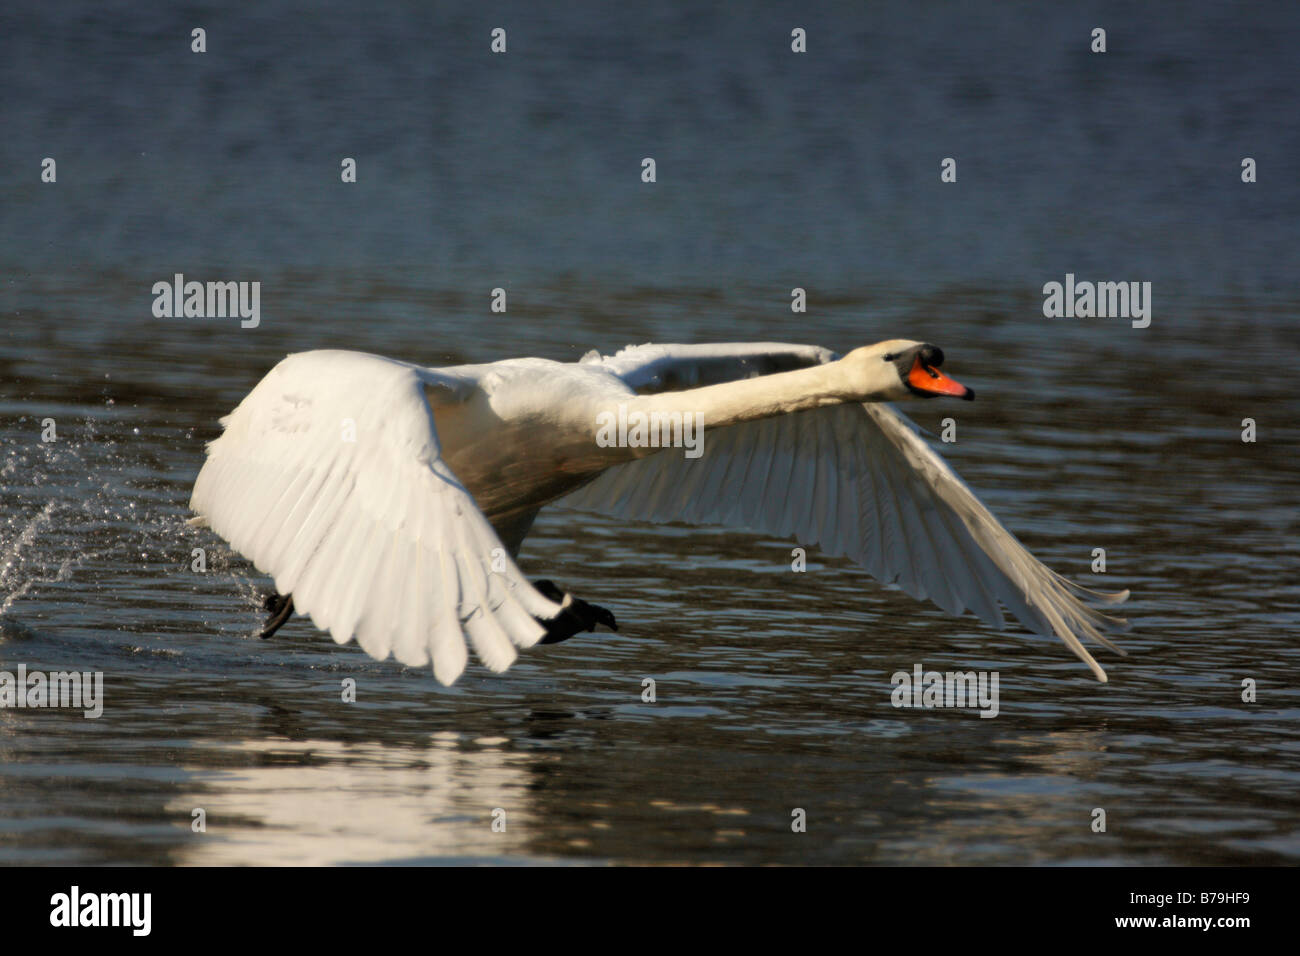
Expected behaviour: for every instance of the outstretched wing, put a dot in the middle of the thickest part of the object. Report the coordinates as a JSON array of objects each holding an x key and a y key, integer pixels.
[
  {"x": 329, "y": 478},
  {"x": 860, "y": 481},
  {"x": 650, "y": 368}
]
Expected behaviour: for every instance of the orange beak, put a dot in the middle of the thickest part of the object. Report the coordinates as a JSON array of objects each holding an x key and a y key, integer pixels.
[{"x": 930, "y": 381}]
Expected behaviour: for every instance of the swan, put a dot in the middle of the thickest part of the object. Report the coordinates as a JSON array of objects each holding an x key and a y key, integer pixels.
[{"x": 388, "y": 501}]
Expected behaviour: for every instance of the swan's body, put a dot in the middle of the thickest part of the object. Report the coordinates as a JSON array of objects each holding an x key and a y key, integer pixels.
[{"x": 390, "y": 500}]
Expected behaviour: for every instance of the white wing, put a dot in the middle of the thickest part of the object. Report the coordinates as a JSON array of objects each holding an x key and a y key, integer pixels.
[
  {"x": 667, "y": 368},
  {"x": 860, "y": 481},
  {"x": 328, "y": 477}
]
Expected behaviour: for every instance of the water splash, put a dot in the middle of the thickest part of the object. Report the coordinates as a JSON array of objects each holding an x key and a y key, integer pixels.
[
  {"x": 96, "y": 501},
  {"x": 19, "y": 570}
]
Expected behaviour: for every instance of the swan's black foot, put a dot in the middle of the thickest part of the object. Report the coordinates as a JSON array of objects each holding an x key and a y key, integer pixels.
[
  {"x": 577, "y": 615},
  {"x": 280, "y": 606}
]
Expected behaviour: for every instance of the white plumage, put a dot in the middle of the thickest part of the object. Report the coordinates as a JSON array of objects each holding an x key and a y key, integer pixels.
[
  {"x": 329, "y": 477},
  {"x": 389, "y": 500}
]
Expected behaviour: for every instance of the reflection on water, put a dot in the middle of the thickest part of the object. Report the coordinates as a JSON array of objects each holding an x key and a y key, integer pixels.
[{"x": 309, "y": 802}]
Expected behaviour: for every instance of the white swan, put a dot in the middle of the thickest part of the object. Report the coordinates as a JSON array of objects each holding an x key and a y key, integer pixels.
[{"x": 389, "y": 500}]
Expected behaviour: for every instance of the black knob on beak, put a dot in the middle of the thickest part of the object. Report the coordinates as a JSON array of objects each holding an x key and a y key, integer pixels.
[{"x": 931, "y": 355}]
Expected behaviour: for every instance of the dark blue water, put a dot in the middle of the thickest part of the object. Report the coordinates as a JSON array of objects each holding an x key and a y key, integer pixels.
[
  {"x": 820, "y": 169},
  {"x": 774, "y": 170}
]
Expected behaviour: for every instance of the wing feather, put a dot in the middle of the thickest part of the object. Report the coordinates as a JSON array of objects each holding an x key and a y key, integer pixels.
[
  {"x": 861, "y": 481},
  {"x": 329, "y": 478}
]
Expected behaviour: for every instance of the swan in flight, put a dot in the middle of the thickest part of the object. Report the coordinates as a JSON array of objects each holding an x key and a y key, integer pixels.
[{"x": 388, "y": 501}]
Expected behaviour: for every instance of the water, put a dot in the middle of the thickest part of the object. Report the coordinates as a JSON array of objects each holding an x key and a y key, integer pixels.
[{"x": 772, "y": 688}]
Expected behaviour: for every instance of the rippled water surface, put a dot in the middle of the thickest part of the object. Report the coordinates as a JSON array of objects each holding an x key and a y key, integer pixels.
[{"x": 773, "y": 688}]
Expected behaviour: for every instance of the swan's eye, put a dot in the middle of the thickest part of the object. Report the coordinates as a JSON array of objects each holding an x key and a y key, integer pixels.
[{"x": 890, "y": 357}]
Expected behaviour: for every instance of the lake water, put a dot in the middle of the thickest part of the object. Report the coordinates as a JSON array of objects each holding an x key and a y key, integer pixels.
[{"x": 774, "y": 170}]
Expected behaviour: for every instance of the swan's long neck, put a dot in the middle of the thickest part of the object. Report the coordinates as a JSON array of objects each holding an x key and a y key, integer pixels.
[
  {"x": 498, "y": 459},
  {"x": 763, "y": 397},
  {"x": 731, "y": 403}
]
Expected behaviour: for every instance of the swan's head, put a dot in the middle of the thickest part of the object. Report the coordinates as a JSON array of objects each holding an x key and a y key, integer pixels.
[{"x": 899, "y": 369}]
